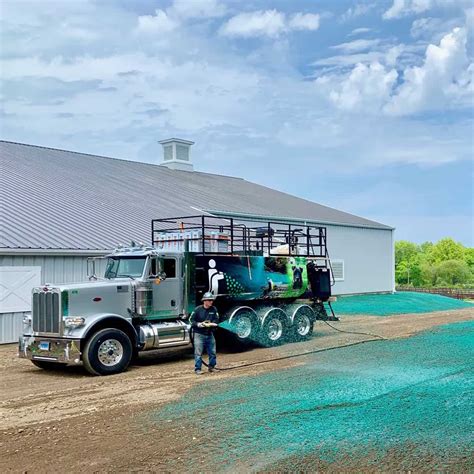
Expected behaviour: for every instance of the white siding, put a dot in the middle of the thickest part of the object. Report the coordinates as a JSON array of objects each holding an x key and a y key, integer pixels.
[
  {"x": 54, "y": 270},
  {"x": 11, "y": 326},
  {"x": 368, "y": 259}
]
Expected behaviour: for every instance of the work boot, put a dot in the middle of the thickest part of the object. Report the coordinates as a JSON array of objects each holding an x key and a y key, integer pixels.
[
  {"x": 198, "y": 372},
  {"x": 211, "y": 369}
]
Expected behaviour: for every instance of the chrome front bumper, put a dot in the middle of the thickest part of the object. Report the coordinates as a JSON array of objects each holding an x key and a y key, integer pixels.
[{"x": 50, "y": 349}]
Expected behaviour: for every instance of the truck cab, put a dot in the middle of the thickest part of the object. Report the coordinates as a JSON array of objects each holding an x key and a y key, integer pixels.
[{"x": 137, "y": 305}]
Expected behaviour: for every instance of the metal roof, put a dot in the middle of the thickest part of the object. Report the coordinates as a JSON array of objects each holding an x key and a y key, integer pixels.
[{"x": 57, "y": 199}]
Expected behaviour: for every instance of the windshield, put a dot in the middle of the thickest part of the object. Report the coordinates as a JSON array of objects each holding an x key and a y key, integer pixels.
[{"x": 125, "y": 267}]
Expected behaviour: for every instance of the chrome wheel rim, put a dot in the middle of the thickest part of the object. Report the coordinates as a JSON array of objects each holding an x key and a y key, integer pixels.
[
  {"x": 110, "y": 352},
  {"x": 243, "y": 327},
  {"x": 303, "y": 325},
  {"x": 274, "y": 329}
]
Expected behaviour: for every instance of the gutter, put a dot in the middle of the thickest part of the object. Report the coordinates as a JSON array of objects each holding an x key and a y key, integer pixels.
[{"x": 257, "y": 217}]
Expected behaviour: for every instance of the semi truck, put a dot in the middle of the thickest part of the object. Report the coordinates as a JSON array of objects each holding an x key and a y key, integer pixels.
[{"x": 270, "y": 281}]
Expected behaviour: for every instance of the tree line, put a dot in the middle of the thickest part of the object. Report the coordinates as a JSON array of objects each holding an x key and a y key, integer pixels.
[{"x": 446, "y": 263}]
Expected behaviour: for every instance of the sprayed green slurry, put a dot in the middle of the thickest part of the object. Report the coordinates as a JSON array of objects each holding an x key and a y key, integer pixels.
[
  {"x": 379, "y": 396},
  {"x": 398, "y": 303}
]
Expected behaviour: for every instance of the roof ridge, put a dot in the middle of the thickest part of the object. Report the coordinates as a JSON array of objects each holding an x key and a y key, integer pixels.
[
  {"x": 71, "y": 151},
  {"x": 113, "y": 158}
]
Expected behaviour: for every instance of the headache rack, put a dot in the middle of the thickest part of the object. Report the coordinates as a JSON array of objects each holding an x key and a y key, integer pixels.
[{"x": 218, "y": 235}]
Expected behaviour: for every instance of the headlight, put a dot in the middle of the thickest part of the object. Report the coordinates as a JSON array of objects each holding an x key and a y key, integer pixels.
[{"x": 73, "y": 322}]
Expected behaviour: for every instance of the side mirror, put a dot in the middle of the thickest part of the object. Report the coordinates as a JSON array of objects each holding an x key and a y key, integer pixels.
[
  {"x": 91, "y": 268},
  {"x": 162, "y": 276}
]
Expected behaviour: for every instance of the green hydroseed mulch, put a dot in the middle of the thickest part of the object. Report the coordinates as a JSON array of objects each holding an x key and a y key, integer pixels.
[
  {"x": 398, "y": 303},
  {"x": 404, "y": 399}
]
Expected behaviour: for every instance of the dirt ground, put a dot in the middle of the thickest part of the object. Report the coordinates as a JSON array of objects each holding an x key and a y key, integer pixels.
[{"x": 53, "y": 421}]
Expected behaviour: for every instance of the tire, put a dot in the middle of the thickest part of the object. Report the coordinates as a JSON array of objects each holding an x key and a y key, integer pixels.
[
  {"x": 244, "y": 327},
  {"x": 274, "y": 328},
  {"x": 107, "y": 352},
  {"x": 303, "y": 322},
  {"x": 47, "y": 365}
]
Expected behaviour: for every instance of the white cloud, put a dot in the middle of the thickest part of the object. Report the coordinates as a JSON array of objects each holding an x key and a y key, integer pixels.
[
  {"x": 197, "y": 8},
  {"x": 443, "y": 79},
  {"x": 433, "y": 29},
  {"x": 366, "y": 88},
  {"x": 367, "y": 52},
  {"x": 392, "y": 55},
  {"x": 344, "y": 61},
  {"x": 260, "y": 23},
  {"x": 357, "y": 45},
  {"x": 385, "y": 81},
  {"x": 469, "y": 14},
  {"x": 271, "y": 23},
  {"x": 304, "y": 21},
  {"x": 405, "y": 7},
  {"x": 160, "y": 22},
  {"x": 358, "y": 10},
  {"x": 425, "y": 27},
  {"x": 359, "y": 31},
  {"x": 164, "y": 21},
  {"x": 227, "y": 100},
  {"x": 401, "y": 8}
]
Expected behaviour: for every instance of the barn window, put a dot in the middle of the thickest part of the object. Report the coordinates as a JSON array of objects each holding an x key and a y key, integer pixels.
[
  {"x": 182, "y": 152},
  {"x": 168, "y": 152},
  {"x": 338, "y": 269}
]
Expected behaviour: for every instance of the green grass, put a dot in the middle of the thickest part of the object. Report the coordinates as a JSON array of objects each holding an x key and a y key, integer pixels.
[{"x": 398, "y": 303}]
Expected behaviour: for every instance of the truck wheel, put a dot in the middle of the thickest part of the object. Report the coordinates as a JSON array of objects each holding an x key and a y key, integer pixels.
[
  {"x": 47, "y": 365},
  {"x": 303, "y": 321},
  {"x": 244, "y": 326},
  {"x": 107, "y": 352},
  {"x": 274, "y": 328}
]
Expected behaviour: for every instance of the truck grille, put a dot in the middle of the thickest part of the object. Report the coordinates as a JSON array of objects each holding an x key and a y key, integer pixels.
[{"x": 45, "y": 312}]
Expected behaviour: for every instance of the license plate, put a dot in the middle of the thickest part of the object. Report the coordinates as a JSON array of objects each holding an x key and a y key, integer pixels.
[{"x": 44, "y": 346}]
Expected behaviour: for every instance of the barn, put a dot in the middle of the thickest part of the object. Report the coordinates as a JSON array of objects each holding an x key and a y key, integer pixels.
[{"x": 60, "y": 207}]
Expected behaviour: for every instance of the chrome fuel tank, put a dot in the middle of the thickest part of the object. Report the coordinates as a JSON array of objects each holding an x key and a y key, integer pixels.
[{"x": 164, "y": 334}]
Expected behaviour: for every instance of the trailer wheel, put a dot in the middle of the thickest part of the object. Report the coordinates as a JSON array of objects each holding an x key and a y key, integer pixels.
[
  {"x": 47, "y": 365},
  {"x": 303, "y": 322},
  {"x": 274, "y": 328},
  {"x": 107, "y": 352},
  {"x": 243, "y": 325}
]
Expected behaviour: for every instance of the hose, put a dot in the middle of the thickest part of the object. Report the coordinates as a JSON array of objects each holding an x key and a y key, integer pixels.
[
  {"x": 353, "y": 332},
  {"x": 291, "y": 356}
]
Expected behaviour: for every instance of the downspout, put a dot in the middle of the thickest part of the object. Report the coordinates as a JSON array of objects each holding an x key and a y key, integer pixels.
[{"x": 393, "y": 261}]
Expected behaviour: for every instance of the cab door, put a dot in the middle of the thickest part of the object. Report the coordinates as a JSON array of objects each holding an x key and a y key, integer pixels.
[{"x": 167, "y": 294}]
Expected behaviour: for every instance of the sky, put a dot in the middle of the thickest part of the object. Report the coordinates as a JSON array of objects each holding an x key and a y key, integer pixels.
[{"x": 363, "y": 106}]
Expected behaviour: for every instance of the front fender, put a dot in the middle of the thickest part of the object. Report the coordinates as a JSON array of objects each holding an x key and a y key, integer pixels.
[{"x": 93, "y": 320}]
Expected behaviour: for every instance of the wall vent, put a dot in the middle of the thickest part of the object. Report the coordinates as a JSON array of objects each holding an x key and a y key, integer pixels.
[{"x": 338, "y": 269}]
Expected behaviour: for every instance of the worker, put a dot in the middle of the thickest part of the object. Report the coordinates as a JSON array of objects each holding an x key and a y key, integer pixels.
[{"x": 204, "y": 320}]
